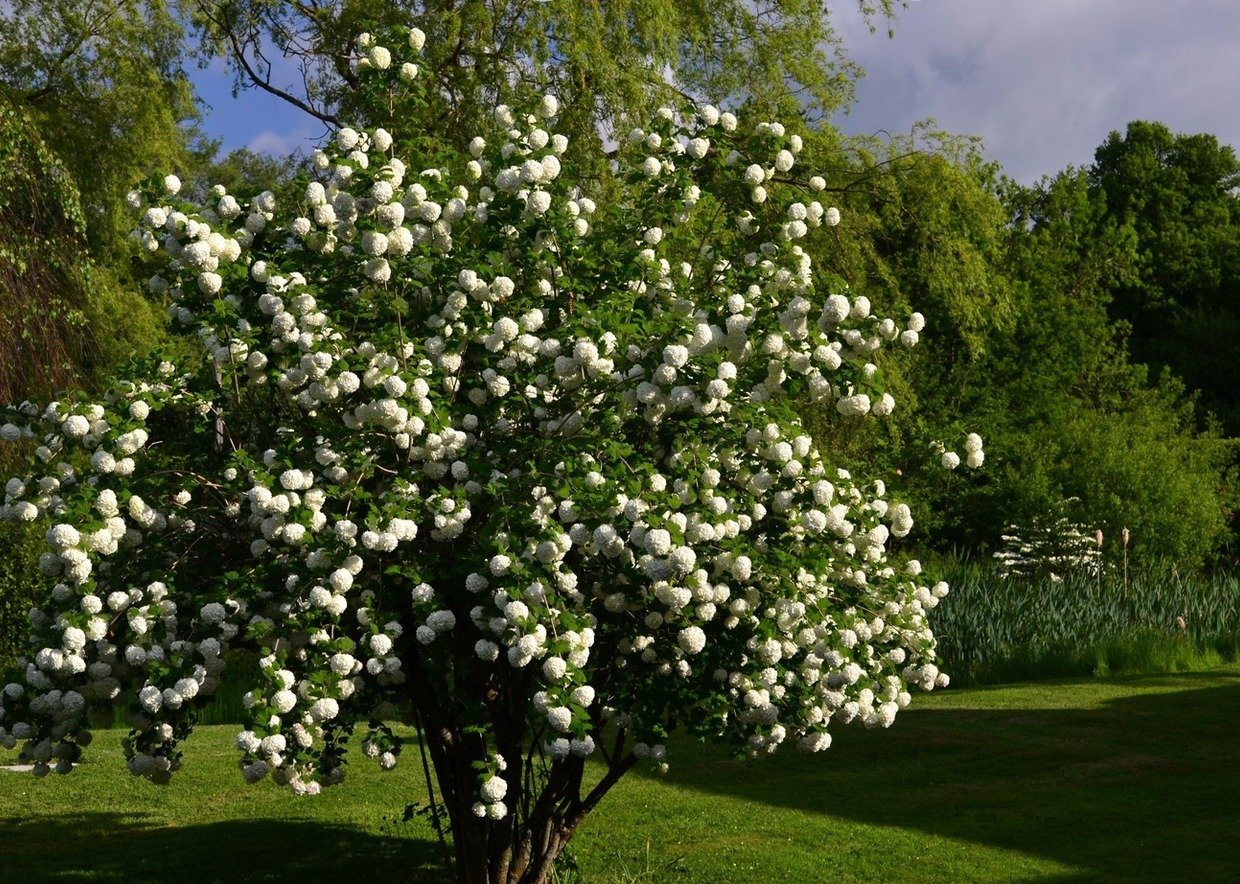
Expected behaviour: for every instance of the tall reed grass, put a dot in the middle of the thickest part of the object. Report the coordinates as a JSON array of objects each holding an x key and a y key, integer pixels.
[
  {"x": 226, "y": 705},
  {"x": 995, "y": 629}
]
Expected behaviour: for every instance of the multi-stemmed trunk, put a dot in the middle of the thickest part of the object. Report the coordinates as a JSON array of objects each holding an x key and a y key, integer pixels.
[
  {"x": 522, "y": 849},
  {"x": 545, "y": 803}
]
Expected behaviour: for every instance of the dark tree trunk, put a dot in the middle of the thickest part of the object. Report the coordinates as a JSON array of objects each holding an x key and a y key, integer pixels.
[
  {"x": 543, "y": 811},
  {"x": 514, "y": 850}
]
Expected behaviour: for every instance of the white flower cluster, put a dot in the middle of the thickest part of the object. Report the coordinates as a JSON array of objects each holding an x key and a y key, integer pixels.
[
  {"x": 974, "y": 456},
  {"x": 493, "y": 790},
  {"x": 100, "y": 632},
  {"x": 523, "y": 437}
]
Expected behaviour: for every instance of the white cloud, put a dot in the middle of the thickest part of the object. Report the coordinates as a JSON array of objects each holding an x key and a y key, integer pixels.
[
  {"x": 1044, "y": 81},
  {"x": 280, "y": 143}
]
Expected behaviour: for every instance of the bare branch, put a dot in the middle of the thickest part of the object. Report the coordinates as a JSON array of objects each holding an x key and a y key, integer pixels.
[{"x": 264, "y": 83}]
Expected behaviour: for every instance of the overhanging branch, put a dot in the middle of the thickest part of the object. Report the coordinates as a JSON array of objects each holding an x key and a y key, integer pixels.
[{"x": 264, "y": 83}]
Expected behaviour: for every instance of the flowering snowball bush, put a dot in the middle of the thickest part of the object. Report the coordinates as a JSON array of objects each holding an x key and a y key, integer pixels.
[{"x": 472, "y": 441}]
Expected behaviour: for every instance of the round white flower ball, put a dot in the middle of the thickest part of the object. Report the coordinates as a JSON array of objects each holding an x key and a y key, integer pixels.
[
  {"x": 560, "y": 718},
  {"x": 380, "y": 58},
  {"x": 283, "y": 701},
  {"x": 691, "y": 640},
  {"x": 555, "y": 668},
  {"x": 493, "y": 789}
]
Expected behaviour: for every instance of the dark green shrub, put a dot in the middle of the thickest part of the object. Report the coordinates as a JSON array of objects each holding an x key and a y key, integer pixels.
[{"x": 20, "y": 546}]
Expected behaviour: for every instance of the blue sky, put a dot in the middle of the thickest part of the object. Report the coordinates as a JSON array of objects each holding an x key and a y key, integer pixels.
[
  {"x": 253, "y": 119},
  {"x": 1042, "y": 81}
]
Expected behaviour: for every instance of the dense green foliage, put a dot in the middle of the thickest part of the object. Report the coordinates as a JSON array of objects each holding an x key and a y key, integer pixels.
[
  {"x": 63, "y": 316},
  {"x": 243, "y": 171},
  {"x": 1069, "y": 415},
  {"x": 92, "y": 98},
  {"x": 102, "y": 83},
  {"x": 20, "y": 546},
  {"x": 1179, "y": 196},
  {"x": 1019, "y": 281},
  {"x": 40, "y": 251}
]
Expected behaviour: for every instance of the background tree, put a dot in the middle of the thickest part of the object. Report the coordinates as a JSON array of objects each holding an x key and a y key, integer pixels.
[
  {"x": 1075, "y": 420},
  {"x": 102, "y": 82},
  {"x": 243, "y": 171},
  {"x": 1178, "y": 193},
  {"x": 47, "y": 280},
  {"x": 1019, "y": 280}
]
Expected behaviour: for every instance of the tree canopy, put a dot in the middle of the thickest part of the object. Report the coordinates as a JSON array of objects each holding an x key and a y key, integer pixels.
[
  {"x": 604, "y": 60},
  {"x": 1180, "y": 195},
  {"x": 62, "y": 316},
  {"x": 102, "y": 82},
  {"x": 1020, "y": 282}
]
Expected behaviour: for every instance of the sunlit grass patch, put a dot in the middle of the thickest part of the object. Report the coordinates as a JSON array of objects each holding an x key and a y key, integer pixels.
[{"x": 1103, "y": 777}]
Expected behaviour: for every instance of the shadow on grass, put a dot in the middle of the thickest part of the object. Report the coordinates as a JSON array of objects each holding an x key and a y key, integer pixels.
[
  {"x": 1142, "y": 787},
  {"x": 116, "y": 847}
]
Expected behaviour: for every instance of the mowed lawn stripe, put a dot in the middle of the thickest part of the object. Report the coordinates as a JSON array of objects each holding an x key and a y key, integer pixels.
[{"x": 1129, "y": 778}]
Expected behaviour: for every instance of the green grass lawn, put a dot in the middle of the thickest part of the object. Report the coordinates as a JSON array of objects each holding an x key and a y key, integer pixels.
[{"x": 1101, "y": 778}]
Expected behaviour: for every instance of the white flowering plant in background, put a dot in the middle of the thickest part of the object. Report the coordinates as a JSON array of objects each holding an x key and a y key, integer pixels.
[
  {"x": 1051, "y": 546},
  {"x": 472, "y": 446}
]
